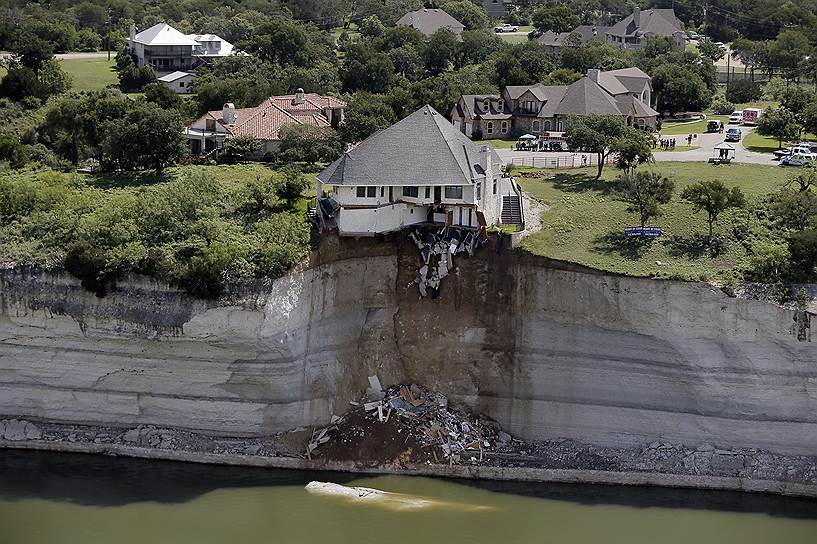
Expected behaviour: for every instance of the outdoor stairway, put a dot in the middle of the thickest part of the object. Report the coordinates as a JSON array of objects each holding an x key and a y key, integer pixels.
[{"x": 511, "y": 210}]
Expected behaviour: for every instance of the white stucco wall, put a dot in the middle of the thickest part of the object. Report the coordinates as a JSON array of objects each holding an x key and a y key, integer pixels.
[{"x": 369, "y": 221}]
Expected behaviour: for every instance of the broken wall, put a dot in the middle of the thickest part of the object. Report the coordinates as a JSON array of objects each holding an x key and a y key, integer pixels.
[{"x": 548, "y": 349}]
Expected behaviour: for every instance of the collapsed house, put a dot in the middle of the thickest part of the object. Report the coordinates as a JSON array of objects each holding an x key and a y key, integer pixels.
[{"x": 437, "y": 246}]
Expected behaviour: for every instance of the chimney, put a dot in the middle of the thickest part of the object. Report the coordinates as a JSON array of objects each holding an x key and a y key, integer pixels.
[
  {"x": 593, "y": 75},
  {"x": 637, "y": 16},
  {"x": 299, "y": 97},
  {"x": 228, "y": 113},
  {"x": 485, "y": 150},
  {"x": 132, "y": 33}
]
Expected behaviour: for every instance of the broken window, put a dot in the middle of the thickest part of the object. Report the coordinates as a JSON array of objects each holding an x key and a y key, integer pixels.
[
  {"x": 453, "y": 192},
  {"x": 411, "y": 191}
]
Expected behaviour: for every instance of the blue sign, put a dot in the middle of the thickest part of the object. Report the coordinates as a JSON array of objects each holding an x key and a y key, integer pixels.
[{"x": 643, "y": 231}]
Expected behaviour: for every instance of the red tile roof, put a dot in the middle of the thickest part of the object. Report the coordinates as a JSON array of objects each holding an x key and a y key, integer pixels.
[{"x": 265, "y": 120}]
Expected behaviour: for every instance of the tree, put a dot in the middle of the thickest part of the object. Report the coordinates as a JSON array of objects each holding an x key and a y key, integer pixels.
[
  {"x": 794, "y": 210},
  {"x": 803, "y": 249},
  {"x": 13, "y": 151},
  {"x": 645, "y": 192},
  {"x": 709, "y": 50},
  {"x": 366, "y": 69},
  {"x": 134, "y": 79},
  {"x": 595, "y": 134},
  {"x": 476, "y": 47},
  {"x": 160, "y": 94},
  {"x": 309, "y": 144},
  {"x": 714, "y": 198},
  {"x": 441, "y": 51},
  {"x": 147, "y": 137},
  {"x": 366, "y": 113},
  {"x": 788, "y": 51},
  {"x": 372, "y": 27},
  {"x": 679, "y": 88},
  {"x": 780, "y": 123},
  {"x": 633, "y": 147},
  {"x": 742, "y": 91},
  {"x": 557, "y": 18},
  {"x": 561, "y": 76},
  {"x": 471, "y": 15},
  {"x": 750, "y": 53},
  {"x": 722, "y": 106},
  {"x": 31, "y": 51},
  {"x": 244, "y": 146},
  {"x": 21, "y": 81}
]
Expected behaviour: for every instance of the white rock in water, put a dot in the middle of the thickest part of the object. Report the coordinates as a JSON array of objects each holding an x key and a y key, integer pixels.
[
  {"x": 15, "y": 430},
  {"x": 386, "y": 499}
]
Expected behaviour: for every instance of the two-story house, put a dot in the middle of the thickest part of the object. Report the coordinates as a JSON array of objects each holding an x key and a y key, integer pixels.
[
  {"x": 539, "y": 109},
  {"x": 168, "y": 50},
  {"x": 633, "y": 31},
  {"x": 420, "y": 170}
]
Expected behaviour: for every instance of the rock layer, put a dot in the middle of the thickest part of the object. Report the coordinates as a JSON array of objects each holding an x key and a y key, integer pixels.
[{"x": 548, "y": 349}]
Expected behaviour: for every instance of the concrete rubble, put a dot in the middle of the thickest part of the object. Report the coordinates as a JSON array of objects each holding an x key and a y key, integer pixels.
[{"x": 438, "y": 246}]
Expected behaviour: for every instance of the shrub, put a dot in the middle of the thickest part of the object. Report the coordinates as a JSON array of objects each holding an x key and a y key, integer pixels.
[
  {"x": 742, "y": 91},
  {"x": 721, "y": 106}
]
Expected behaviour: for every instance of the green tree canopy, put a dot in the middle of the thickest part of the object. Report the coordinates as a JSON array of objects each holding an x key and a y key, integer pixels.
[
  {"x": 645, "y": 192},
  {"x": 713, "y": 197}
]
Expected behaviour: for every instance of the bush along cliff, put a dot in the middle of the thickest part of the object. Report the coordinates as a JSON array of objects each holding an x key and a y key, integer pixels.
[{"x": 195, "y": 228}]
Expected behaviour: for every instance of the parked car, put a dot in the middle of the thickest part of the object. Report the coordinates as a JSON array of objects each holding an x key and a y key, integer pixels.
[
  {"x": 506, "y": 28},
  {"x": 798, "y": 159},
  {"x": 694, "y": 35},
  {"x": 733, "y": 134},
  {"x": 736, "y": 117},
  {"x": 751, "y": 115},
  {"x": 714, "y": 125},
  {"x": 721, "y": 45}
]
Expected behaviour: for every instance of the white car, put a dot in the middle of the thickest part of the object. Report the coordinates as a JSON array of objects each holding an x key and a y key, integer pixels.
[
  {"x": 694, "y": 35},
  {"x": 506, "y": 28},
  {"x": 798, "y": 159},
  {"x": 736, "y": 117}
]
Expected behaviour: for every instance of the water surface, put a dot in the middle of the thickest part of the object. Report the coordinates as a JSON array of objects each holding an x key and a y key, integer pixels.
[{"x": 63, "y": 498}]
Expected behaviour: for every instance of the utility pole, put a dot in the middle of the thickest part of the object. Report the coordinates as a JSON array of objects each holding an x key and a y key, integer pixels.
[{"x": 108, "y": 37}]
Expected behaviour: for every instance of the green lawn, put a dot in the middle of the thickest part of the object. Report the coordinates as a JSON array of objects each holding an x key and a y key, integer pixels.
[
  {"x": 585, "y": 221},
  {"x": 767, "y": 144},
  {"x": 90, "y": 74},
  {"x": 498, "y": 144},
  {"x": 514, "y": 38},
  {"x": 670, "y": 128}
]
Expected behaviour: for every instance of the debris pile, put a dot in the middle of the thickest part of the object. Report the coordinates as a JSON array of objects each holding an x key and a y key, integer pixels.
[
  {"x": 428, "y": 428},
  {"x": 437, "y": 246}
]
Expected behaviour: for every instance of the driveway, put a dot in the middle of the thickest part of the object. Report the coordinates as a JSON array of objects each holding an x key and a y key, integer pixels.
[{"x": 706, "y": 143}]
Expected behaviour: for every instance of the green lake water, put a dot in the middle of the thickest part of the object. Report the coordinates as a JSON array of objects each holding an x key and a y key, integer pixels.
[{"x": 67, "y": 499}]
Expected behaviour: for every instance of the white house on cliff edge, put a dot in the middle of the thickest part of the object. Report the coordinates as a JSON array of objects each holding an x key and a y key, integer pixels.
[{"x": 421, "y": 170}]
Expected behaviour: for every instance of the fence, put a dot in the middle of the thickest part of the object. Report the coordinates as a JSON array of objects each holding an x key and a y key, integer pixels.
[{"x": 577, "y": 160}]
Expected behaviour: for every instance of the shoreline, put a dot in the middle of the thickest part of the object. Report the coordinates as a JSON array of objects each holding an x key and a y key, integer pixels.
[{"x": 472, "y": 472}]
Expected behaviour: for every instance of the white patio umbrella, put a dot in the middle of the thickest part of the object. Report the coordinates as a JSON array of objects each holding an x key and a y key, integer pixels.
[{"x": 527, "y": 137}]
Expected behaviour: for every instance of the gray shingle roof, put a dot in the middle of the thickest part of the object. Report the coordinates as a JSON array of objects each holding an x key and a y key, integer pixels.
[
  {"x": 475, "y": 107},
  {"x": 585, "y": 33},
  {"x": 585, "y": 97},
  {"x": 429, "y": 21},
  {"x": 422, "y": 149},
  {"x": 658, "y": 22}
]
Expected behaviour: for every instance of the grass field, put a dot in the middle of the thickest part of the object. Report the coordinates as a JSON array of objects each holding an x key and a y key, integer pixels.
[
  {"x": 585, "y": 221},
  {"x": 670, "y": 128},
  {"x": 513, "y": 38},
  {"x": 767, "y": 144},
  {"x": 90, "y": 74},
  {"x": 498, "y": 144}
]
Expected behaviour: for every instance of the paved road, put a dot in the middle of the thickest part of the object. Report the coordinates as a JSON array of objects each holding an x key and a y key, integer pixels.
[{"x": 705, "y": 142}]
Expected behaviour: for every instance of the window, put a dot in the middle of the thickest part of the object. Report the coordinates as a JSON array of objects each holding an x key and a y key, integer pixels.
[
  {"x": 410, "y": 191},
  {"x": 453, "y": 192},
  {"x": 486, "y": 105},
  {"x": 547, "y": 126},
  {"x": 181, "y": 84},
  {"x": 382, "y": 191},
  {"x": 371, "y": 192},
  {"x": 428, "y": 192},
  {"x": 504, "y": 127},
  {"x": 494, "y": 186},
  {"x": 500, "y": 105},
  {"x": 479, "y": 191},
  {"x": 560, "y": 127},
  {"x": 361, "y": 192},
  {"x": 490, "y": 127},
  {"x": 210, "y": 124},
  {"x": 536, "y": 126}
]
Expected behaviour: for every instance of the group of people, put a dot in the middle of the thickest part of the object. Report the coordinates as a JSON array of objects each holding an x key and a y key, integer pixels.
[{"x": 666, "y": 144}]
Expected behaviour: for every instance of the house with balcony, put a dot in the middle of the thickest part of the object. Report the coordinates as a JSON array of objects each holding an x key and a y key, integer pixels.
[
  {"x": 421, "y": 170},
  {"x": 633, "y": 31},
  {"x": 542, "y": 109},
  {"x": 168, "y": 50},
  {"x": 207, "y": 134}
]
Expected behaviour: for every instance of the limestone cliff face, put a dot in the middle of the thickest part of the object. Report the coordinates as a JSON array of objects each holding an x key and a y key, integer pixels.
[{"x": 548, "y": 349}]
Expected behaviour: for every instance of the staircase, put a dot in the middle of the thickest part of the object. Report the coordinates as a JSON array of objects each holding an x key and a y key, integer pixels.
[{"x": 511, "y": 210}]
